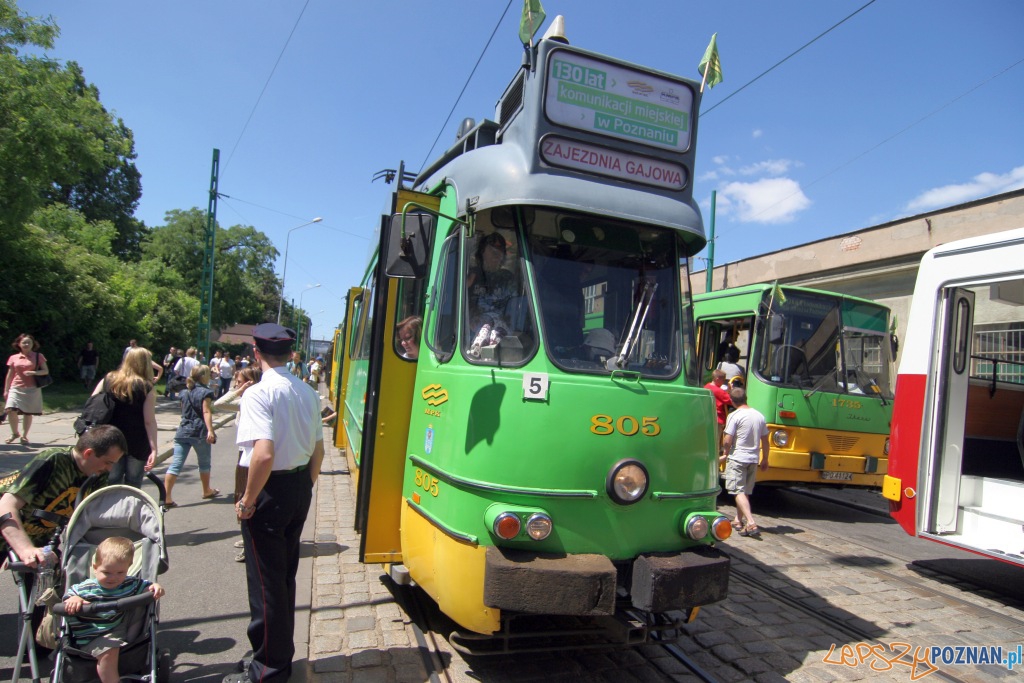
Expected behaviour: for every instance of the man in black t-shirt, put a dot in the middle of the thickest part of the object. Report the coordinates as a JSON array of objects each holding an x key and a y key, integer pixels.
[{"x": 88, "y": 361}]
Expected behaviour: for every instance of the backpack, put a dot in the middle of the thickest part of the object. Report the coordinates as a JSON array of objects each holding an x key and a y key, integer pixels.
[{"x": 98, "y": 410}]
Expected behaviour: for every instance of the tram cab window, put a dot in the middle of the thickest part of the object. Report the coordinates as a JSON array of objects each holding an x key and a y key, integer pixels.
[
  {"x": 409, "y": 319},
  {"x": 607, "y": 288},
  {"x": 442, "y": 321},
  {"x": 499, "y": 327}
]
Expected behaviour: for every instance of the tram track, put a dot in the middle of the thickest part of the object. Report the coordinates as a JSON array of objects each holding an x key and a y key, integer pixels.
[{"x": 874, "y": 552}]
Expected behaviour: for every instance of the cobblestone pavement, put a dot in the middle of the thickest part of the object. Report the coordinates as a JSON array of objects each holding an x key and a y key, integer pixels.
[{"x": 770, "y": 628}]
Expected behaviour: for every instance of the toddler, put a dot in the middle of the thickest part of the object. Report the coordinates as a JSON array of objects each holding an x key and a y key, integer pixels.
[{"x": 105, "y": 631}]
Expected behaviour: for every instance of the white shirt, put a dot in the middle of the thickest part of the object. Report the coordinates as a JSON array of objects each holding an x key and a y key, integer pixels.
[
  {"x": 227, "y": 368},
  {"x": 183, "y": 368},
  {"x": 285, "y": 410},
  {"x": 746, "y": 426}
]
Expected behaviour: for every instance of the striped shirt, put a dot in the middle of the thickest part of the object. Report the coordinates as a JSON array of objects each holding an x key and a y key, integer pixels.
[{"x": 88, "y": 627}]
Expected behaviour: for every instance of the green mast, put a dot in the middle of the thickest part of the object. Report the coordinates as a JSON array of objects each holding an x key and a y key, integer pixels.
[{"x": 206, "y": 306}]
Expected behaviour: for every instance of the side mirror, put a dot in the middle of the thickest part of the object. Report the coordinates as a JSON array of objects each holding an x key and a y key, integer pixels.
[
  {"x": 408, "y": 250},
  {"x": 894, "y": 345}
]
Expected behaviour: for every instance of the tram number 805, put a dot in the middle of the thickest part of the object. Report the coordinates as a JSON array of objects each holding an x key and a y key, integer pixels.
[
  {"x": 426, "y": 482},
  {"x": 627, "y": 425}
]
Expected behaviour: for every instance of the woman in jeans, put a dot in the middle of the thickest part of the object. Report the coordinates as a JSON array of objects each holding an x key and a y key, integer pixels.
[
  {"x": 132, "y": 387},
  {"x": 195, "y": 431}
]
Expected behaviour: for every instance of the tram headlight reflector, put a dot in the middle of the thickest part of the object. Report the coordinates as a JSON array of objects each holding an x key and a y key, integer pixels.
[
  {"x": 627, "y": 482},
  {"x": 507, "y": 526},
  {"x": 721, "y": 528},
  {"x": 697, "y": 527},
  {"x": 538, "y": 526},
  {"x": 780, "y": 438},
  {"x": 885, "y": 448}
]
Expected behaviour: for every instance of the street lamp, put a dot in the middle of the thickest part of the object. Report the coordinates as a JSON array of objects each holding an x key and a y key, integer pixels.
[{"x": 284, "y": 273}]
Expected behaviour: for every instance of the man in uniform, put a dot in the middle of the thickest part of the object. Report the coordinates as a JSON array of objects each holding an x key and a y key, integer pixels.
[{"x": 281, "y": 439}]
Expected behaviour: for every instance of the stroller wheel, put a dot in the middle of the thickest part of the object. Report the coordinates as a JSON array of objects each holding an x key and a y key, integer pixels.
[{"x": 163, "y": 666}]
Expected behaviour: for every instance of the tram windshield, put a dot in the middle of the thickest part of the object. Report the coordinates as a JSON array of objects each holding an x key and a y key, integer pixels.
[
  {"x": 608, "y": 294},
  {"x": 806, "y": 345}
]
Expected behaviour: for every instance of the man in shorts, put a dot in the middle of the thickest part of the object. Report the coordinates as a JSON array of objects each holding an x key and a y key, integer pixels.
[{"x": 745, "y": 448}]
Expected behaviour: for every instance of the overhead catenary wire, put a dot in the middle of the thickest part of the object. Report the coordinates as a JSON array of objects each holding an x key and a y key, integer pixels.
[
  {"x": 266, "y": 84},
  {"x": 466, "y": 85},
  {"x": 787, "y": 57}
]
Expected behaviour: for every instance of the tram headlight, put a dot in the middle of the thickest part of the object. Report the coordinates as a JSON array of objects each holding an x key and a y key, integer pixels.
[
  {"x": 885, "y": 448},
  {"x": 627, "y": 482},
  {"x": 780, "y": 438},
  {"x": 538, "y": 526},
  {"x": 721, "y": 528},
  {"x": 697, "y": 527}
]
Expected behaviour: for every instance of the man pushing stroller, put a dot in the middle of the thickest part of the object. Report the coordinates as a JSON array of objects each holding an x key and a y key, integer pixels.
[{"x": 102, "y": 635}]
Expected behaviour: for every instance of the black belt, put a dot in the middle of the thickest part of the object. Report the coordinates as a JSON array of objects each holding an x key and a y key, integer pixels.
[{"x": 294, "y": 470}]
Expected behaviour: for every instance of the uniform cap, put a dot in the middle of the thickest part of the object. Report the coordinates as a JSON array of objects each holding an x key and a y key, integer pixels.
[{"x": 273, "y": 338}]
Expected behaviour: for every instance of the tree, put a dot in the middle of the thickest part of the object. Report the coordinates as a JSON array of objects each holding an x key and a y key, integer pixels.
[
  {"x": 244, "y": 286},
  {"x": 56, "y": 139}
]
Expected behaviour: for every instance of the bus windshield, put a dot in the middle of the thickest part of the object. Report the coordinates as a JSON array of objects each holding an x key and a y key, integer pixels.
[
  {"x": 806, "y": 345},
  {"x": 608, "y": 293}
]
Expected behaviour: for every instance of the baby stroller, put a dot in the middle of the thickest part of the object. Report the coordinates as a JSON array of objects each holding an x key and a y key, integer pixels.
[{"x": 116, "y": 511}]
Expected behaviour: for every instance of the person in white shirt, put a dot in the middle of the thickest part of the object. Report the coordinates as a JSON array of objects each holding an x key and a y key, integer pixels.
[
  {"x": 281, "y": 439},
  {"x": 227, "y": 373},
  {"x": 744, "y": 448}
]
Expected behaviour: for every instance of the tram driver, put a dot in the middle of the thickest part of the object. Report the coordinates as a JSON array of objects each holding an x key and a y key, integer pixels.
[{"x": 490, "y": 288}]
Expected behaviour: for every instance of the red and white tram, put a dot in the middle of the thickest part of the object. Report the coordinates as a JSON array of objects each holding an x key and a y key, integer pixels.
[{"x": 956, "y": 464}]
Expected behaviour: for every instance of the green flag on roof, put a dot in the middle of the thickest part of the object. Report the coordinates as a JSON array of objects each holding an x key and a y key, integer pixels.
[
  {"x": 533, "y": 17},
  {"x": 710, "y": 67}
]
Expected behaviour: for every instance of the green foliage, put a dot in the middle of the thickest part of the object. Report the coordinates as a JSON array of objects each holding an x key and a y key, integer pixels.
[{"x": 78, "y": 265}]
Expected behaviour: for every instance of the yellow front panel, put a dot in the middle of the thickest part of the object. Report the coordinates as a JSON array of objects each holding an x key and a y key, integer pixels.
[
  {"x": 793, "y": 463},
  {"x": 449, "y": 570}
]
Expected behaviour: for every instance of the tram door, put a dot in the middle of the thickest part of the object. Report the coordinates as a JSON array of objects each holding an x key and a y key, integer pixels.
[{"x": 949, "y": 409}]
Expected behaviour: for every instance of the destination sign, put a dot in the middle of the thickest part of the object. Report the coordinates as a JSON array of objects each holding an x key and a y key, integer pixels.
[
  {"x": 608, "y": 99},
  {"x": 580, "y": 156}
]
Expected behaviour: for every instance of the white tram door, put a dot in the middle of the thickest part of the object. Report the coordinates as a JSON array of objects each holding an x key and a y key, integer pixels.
[{"x": 949, "y": 408}]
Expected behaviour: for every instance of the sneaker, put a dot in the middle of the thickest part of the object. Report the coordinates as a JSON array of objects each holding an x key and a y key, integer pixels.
[
  {"x": 240, "y": 557},
  {"x": 239, "y": 543}
]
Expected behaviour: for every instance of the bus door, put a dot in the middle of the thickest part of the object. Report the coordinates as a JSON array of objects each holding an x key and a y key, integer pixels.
[
  {"x": 390, "y": 380},
  {"x": 949, "y": 408},
  {"x": 716, "y": 337}
]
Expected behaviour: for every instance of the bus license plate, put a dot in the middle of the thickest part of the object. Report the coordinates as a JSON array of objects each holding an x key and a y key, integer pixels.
[{"x": 837, "y": 476}]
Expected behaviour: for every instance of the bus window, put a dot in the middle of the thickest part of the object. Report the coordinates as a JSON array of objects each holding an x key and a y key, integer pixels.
[
  {"x": 409, "y": 318},
  {"x": 362, "y": 346},
  {"x": 609, "y": 295},
  {"x": 803, "y": 347},
  {"x": 499, "y": 320},
  {"x": 443, "y": 323}
]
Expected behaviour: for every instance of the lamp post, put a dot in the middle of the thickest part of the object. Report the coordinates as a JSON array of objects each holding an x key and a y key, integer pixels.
[
  {"x": 284, "y": 272},
  {"x": 299, "y": 321}
]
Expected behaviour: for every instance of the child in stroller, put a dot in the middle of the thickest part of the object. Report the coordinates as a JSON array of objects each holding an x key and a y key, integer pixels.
[
  {"x": 106, "y": 631},
  {"x": 113, "y": 550}
]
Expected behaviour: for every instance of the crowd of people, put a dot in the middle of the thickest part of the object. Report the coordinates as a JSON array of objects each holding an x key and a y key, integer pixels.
[{"x": 280, "y": 449}]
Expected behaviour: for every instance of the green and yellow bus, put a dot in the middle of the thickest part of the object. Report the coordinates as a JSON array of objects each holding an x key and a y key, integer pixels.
[
  {"x": 818, "y": 366},
  {"x": 549, "y": 450}
]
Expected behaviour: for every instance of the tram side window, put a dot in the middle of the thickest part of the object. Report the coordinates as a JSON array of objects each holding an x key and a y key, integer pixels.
[
  {"x": 409, "y": 319},
  {"x": 499, "y": 319},
  {"x": 362, "y": 349},
  {"x": 443, "y": 319},
  {"x": 357, "y": 318}
]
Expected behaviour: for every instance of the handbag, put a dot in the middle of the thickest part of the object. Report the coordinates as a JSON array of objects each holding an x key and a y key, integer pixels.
[{"x": 42, "y": 380}]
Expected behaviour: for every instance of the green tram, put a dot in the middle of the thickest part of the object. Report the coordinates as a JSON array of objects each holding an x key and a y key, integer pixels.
[
  {"x": 817, "y": 365},
  {"x": 548, "y": 448}
]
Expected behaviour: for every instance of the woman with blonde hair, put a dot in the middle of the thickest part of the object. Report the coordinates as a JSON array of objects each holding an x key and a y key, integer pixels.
[
  {"x": 132, "y": 388},
  {"x": 194, "y": 431}
]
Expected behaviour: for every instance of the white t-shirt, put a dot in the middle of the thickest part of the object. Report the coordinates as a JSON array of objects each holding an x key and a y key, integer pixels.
[
  {"x": 746, "y": 426},
  {"x": 183, "y": 368},
  {"x": 227, "y": 368},
  {"x": 285, "y": 410}
]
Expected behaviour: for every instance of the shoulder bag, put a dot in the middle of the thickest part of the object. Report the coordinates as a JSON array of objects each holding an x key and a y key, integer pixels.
[{"x": 42, "y": 380}]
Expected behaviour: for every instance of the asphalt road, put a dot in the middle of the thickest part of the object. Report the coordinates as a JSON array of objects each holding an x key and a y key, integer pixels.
[{"x": 205, "y": 612}]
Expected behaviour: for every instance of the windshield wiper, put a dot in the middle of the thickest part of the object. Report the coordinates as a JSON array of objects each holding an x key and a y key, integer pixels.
[
  {"x": 636, "y": 326},
  {"x": 816, "y": 387}
]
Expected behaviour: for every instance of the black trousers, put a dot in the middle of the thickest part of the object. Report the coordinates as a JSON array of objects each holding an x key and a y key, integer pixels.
[{"x": 271, "y": 538}]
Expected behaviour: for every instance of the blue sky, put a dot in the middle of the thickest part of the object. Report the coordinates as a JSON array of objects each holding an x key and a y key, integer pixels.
[{"x": 908, "y": 106}]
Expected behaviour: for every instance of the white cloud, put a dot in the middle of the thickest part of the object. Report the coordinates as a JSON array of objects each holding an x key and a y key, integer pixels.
[
  {"x": 770, "y": 167},
  {"x": 982, "y": 185},
  {"x": 757, "y": 133},
  {"x": 770, "y": 200}
]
